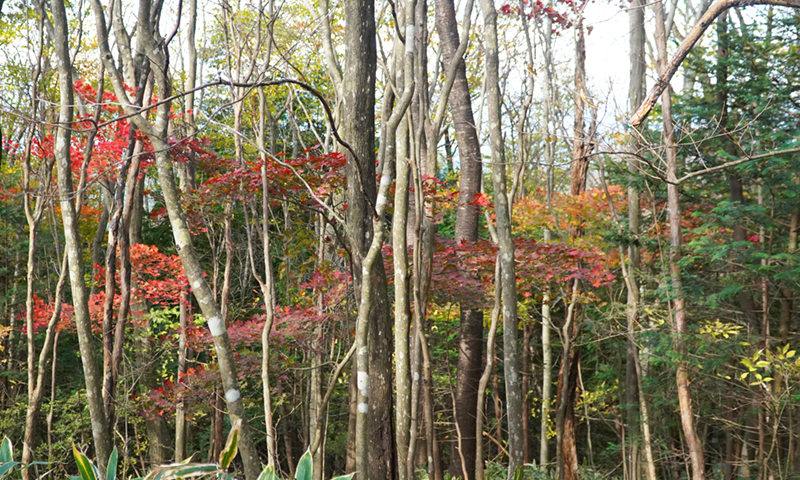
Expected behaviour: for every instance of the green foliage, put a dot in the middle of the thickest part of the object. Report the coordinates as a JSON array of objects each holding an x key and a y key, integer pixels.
[
  {"x": 7, "y": 463},
  {"x": 87, "y": 470}
]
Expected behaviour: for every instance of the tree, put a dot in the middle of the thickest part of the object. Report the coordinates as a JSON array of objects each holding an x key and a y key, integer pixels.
[
  {"x": 470, "y": 349},
  {"x": 503, "y": 220},
  {"x": 101, "y": 431}
]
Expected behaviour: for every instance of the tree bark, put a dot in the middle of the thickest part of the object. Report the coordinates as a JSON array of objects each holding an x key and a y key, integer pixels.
[
  {"x": 100, "y": 429},
  {"x": 511, "y": 357},
  {"x": 693, "y": 444},
  {"x": 670, "y": 68},
  {"x": 636, "y": 90},
  {"x": 396, "y": 151},
  {"x": 147, "y": 32},
  {"x": 470, "y": 336},
  {"x": 375, "y": 455},
  {"x": 547, "y": 351}
]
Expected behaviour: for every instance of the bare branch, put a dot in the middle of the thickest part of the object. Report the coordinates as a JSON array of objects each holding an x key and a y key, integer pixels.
[
  {"x": 688, "y": 43},
  {"x": 733, "y": 163}
]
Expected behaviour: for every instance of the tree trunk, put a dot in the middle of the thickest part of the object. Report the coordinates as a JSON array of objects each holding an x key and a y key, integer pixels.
[
  {"x": 375, "y": 454},
  {"x": 268, "y": 284},
  {"x": 100, "y": 429},
  {"x": 511, "y": 357},
  {"x": 470, "y": 335},
  {"x": 570, "y": 360},
  {"x": 547, "y": 352},
  {"x": 180, "y": 408},
  {"x": 636, "y": 89},
  {"x": 397, "y": 152},
  {"x": 676, "y": 291},
  {"x": 151, "y": 44}
]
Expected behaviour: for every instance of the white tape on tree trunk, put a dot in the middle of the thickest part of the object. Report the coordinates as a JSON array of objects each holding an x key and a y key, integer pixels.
[
  {"x": 217, "y": 326},
  {"x": 410, "y": 39}
]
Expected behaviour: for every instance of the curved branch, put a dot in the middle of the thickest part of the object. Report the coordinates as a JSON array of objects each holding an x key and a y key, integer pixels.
[{"x": 688, "y": 43}]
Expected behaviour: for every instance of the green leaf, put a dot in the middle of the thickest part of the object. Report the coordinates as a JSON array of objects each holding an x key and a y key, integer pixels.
[
  {"x": 6, "y": 467},
  {"x": 111, "y": 472},
  {"x": 349, "y": 476},
  {"x": 305, "y": 467},
  {"x": 6, "y": 451},
  {"x": 762, "y": 364},
  {"x": 179, "y": 470},
  {"x": 85, "y": 467},
  {"x": 268, "y": 474},
  {"x": 231, "y": 446}
]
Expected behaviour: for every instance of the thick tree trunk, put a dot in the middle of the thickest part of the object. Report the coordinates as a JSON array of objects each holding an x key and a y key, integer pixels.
[
  {"x": 470, "y": 336},
  {"x": 375, "y": 455}
]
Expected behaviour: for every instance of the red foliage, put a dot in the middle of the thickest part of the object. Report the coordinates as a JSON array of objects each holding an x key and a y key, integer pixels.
[
  {"x": 158, "y": 280},
  {"x": 464, "y": 272},
  {"x": 537, "y": 9},
  {"x": 43, "y": 311}
]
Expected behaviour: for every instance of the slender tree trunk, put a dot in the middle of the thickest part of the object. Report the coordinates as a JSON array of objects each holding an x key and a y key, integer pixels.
[
  {"x": 396, "y": 141},
  {"x": 61, "y": 152},
  {"x": 744, "y": 297},
  {"x": 511, "y": 357},
  {"x": 180, "y": 408},
  {"x": 566, "y": 458},
  {"x": 151, "y": 45},
  {"x": 636, "y": 89},
  {"x": 268, "y": 285},
  {"x": 547, "y": 352},
  {"x": 570, "y": 361},
  {"x": 33, "y": 216},
  {"x": 693, "y": 443},
  {"x": 487, "y": 371},
  {"x": 37, "y": 370}
]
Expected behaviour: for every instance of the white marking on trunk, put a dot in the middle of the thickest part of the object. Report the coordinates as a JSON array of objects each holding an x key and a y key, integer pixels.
[
  {"x": 182, "y": 238},
  {"x": 362, "y": 381},
  {"x": 363, "y": 407},
  {"x": 232, "y": 395},
  {"x": 410, "y": 43},
  {"x": 217, "y": 326}
]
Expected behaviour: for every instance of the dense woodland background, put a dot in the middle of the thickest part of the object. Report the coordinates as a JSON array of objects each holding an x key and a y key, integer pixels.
[{"x": 407, "y": 235}]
